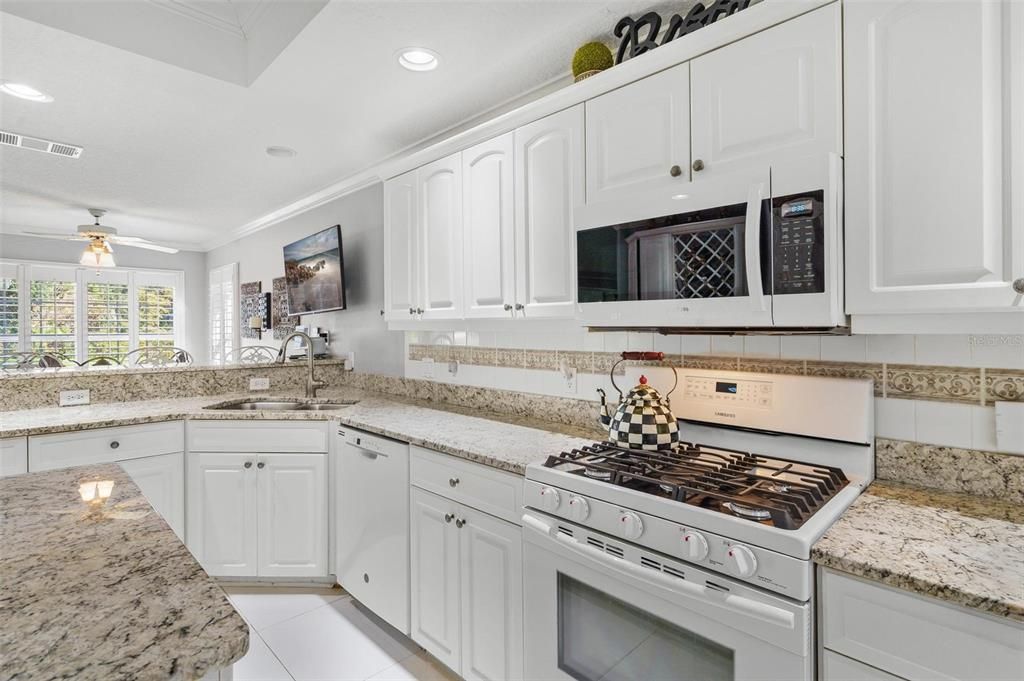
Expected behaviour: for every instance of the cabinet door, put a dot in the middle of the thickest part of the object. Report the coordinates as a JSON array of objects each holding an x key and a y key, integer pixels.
[
  {"x": 773, "y": 95},
  {"x": 638, "y": 149},
  {"x": 549, "y": 192},
  {"x": 292, "y": 502},
  {"x": 434, "y": 547},
  {"x": 222, "y": 512},
  {"x": 13, "y": 456},
  {"x": 439, "y": 190},
  {"x": 162, "y": 481},
  {"x": 488, "y": 228},
  {"x": 934, "y": 104},
  {"x": 400, "y": 247},
  {"x": 491, "y": 566}
]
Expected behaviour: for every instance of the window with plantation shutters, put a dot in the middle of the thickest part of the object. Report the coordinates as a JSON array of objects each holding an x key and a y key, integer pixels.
[
  {"x": 53, "y": 311},
  {"x": 223, "y": 283},
  {"x": 9, "y": 326}
]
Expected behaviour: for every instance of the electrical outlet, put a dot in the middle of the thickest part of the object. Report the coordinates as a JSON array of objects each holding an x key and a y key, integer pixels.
[
  {"x": 259, "y": 384},
  {"x": 428, "y": 367},
  {"x": 350, "y": 360},
  {"x": 569, "y": 375},
  {"x": 69, "y": 398}
]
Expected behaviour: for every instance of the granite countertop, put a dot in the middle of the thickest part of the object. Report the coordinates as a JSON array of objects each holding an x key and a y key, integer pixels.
[
  {"x": 108, "y": 594},
  {"x": 497, "y": 440},
  {"x": 960, "y": 548}
]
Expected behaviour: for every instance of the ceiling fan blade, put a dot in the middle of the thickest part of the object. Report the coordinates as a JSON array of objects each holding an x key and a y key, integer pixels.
[
  {"x": 140, "y": 243},
  {"x": 51, "y": 235}
]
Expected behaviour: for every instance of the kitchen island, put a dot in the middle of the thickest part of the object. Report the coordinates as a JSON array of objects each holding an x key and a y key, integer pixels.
[{"x": 103, "y": 591}]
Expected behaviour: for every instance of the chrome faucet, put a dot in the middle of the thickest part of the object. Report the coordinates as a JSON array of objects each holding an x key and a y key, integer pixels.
[{"x": 312, "y": 384}]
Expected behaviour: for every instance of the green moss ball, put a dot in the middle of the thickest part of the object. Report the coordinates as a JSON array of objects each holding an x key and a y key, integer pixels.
[{"x": 592, "y": 57}]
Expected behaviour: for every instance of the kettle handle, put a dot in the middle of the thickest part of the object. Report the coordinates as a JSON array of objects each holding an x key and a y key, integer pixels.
[{"x": 646, "y": 356}]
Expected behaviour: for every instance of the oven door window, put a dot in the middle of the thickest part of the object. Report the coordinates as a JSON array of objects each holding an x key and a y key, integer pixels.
[{"x": 601, "y": 638}]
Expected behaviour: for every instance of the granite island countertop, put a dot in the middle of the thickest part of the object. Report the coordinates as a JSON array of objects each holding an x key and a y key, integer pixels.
[
  {"x": 964, "y": 549},
  {"x": 502, "y": 441},
  {"x": 107, "y": 594}
]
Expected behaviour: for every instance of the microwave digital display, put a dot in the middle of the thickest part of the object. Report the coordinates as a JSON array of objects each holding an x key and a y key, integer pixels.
[{"x": 730, "y": 388}]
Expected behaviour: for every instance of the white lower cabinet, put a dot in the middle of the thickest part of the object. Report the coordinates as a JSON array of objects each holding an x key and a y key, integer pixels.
[
  {"x": 161, "y": 479},
  {"x": 13, "y": 456},
  {"x": 467, "y": 588},
  {"x": 258, "y": 515}
]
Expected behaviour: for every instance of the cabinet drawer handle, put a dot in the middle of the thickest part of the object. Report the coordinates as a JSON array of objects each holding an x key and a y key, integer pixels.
[
  {"x": 452, "y": 482},
  {"x": 115, "y": 444},
  {"x": 698, "y": 165},
  {"x": 248, "y": 464},
  {"x": 1018, "y": 285},
  {"x": 260, "y": 465},
  {"x": 459, "y": 523},
  {"x": 448, "y": 517},
  {"x": 675, "y": 171}
]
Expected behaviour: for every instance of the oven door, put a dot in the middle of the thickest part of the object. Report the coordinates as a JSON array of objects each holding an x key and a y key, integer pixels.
[
  {"x": 706, "y": 266},
  {"x": 596, "y": 616}
]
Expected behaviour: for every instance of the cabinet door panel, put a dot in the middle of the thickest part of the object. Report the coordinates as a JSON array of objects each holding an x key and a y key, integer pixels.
[
  {"x": 634, "y": 137},
  {"x": 488, "y": 228},
  {"x": 929, "y": 221},
  {"x": 162, "y": 481},
  {"x": 434, "y": 545},
  {"x": 222, "y": 513},
  {"x": 400, "y": 246},
  {"x": 491, "y": 557},
  {"x": 440, "y": 232},
  {"x": 776, "y": 92},
  {"x": 549, "y": 191},
  {"x": 292, "y": 494}
]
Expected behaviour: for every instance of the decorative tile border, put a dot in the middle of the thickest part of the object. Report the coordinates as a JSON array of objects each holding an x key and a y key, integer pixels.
[{"x": 908, "y": 381}]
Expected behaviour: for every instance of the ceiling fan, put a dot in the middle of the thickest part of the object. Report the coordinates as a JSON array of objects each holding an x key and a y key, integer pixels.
[{"x": 98, "y": 252}]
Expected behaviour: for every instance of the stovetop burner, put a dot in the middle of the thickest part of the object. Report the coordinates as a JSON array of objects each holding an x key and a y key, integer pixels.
[{"x": 767, "y": 490}]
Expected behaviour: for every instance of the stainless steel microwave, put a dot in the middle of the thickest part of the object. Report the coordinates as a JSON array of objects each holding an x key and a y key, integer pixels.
[{"x": 751, "y": 252}]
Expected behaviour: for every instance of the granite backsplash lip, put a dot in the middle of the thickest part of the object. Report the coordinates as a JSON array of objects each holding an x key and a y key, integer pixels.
[
  {"x": 963, "y": 549},
  {"x": 105, "y": 595}
]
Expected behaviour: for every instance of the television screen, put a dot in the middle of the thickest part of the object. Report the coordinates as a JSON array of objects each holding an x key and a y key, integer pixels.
[{"x": 315, "y": 273}]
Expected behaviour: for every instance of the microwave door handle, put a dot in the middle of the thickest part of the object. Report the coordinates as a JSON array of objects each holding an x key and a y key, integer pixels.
[
  {"x": 745, "y": 606},
  {"x": 752, "y": 246}
]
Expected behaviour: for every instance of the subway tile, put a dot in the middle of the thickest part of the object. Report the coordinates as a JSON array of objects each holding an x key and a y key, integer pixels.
[
  {"x": 983, "y": 428},
  {"x": 800, "y": 347},
  {"x": 697, "y": 344},
  {"x": 943, "y": 423},
  {"x": 762, "y": 346},
  {"x": 727, "y": 345},
  {"x": 639, "y": 341},
  {"x": 890, "y": 348},
  {"x": 670, "y": 345},
  {"x": 844, "y": 348},
  {"x": 895, "y": 419},
  {"x": 995, "y": 351},
  {"x": 615, "y": 341},
  {"x": 942, "y": 350}
]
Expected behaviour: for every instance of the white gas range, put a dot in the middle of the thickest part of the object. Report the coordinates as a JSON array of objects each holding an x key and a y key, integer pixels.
[{"x": 695, "y": 563}]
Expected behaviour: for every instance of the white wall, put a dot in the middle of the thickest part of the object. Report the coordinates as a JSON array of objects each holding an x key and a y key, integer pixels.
[
  {"x": 360, "y": 328},
  {"x": 192, "y": 263}
]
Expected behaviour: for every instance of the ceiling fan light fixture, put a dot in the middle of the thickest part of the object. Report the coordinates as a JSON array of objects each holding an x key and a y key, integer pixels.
[{"x": 98, "y": 253}]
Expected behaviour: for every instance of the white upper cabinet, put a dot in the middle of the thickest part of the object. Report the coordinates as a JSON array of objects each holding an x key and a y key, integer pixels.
[
  {"x": 549, "y": 193},
  {"x": 488, "y": 229},
  {"x": 400, "y": 266},
  {"x": 934, "y": 96},
  {"x": 439, "y": 190},
  {"x": 638, "y": 149},
  {"x": 776, "y": 92}
]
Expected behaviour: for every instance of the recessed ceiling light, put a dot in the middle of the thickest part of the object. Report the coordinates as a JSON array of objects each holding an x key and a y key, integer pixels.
[
  {"x": 680, "y": 197},
  {"x": 23, "y": 91},
  {"x": 418, "y": 59},
  {"x": 281, "y": 152}
]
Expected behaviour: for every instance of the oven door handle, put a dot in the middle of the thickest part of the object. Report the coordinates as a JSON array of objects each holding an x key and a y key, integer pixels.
[
  {"x": 752, "y": 245},
  {"x": 740, "y": 604}
]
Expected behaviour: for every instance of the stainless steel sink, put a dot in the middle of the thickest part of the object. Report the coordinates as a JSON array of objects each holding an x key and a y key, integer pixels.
[{"x": 268, "y": 405}]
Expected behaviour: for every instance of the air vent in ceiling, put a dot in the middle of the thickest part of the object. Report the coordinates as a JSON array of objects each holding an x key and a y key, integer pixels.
[{"x": 13, "y": 139}]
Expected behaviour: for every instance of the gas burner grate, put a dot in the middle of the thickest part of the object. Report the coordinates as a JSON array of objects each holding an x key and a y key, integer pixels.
[{"x": 775, "y": 491}]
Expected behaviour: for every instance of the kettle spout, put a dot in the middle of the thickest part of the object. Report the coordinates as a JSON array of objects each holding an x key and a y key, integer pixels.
[{"x": 604, "y": 417}]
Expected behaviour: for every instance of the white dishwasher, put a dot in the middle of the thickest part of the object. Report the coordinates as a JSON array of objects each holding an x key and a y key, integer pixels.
[{"x": 373, "y": 523}]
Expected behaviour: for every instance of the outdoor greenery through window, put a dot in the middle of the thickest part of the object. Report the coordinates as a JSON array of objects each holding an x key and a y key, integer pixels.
[{"x": 84, "y": 314}]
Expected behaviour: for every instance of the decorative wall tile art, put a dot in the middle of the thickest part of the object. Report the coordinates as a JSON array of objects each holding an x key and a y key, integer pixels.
[
  {"x": 251, "y": 303},
  {"x": 279, "y": 319}
]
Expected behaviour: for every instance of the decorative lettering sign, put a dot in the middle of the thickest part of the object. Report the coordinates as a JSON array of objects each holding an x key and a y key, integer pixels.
[{"x": 641, "y": 35}]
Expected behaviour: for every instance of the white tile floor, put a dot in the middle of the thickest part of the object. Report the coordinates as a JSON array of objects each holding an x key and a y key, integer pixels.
[{"x": 323, "y": 635}]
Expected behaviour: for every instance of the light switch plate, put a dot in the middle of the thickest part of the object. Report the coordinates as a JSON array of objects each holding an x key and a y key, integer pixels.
[
  {"x": 70, "y": 398},
  {"x": 259, "y": 383}
]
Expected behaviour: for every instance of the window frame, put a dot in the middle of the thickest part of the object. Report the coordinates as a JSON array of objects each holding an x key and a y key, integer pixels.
[{"x": 26, "y": 271}]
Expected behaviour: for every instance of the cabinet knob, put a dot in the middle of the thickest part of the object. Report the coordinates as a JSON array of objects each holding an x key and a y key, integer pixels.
[
  {"x": 508, "y": 307},
  {"x": 698, "y": 165},
  {"x": 1018, "y": 285},
  {"x": 260, "y": 465},
  {"x": 419, "y": 310},
  {"x": 248, "y": 464},
  {"x": 115, "y": 444},
  {"x": 412, "y": 310},
  {"x": 448, "y": 517},
  {"x": 452, "y": 482},
  {"x": 459, "y": 523},
  {"x": 520, "y": 306},
  {"x": 675, "y": 171}
]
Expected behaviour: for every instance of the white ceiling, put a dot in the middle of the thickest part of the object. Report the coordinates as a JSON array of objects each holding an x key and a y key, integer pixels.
[{"x": 178, "y": 156}]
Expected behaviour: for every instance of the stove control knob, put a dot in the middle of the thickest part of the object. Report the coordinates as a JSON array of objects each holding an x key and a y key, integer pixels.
[
  {"x": 549, "y": 499},
  {"x": 579, "y": 509},
  {"x": 630, "y": 525},
  {"x": 741, "y": 561},
  {"x": 695, "y": 546}
]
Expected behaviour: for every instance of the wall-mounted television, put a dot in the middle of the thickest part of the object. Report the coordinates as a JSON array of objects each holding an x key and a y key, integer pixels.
[{"x": 315, "y": 273}]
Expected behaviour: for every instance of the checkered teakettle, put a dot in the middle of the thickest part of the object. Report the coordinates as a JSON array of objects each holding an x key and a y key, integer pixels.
[{"x": 643, "y": 419}]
